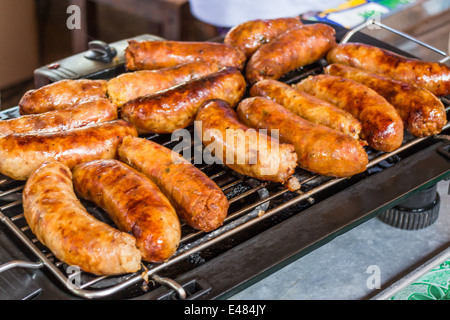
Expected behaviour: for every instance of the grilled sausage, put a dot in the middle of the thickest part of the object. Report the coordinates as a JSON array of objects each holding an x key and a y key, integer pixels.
[
  {"x": 382, "y": 126},
  {"x": 433, "y": 76},
  {"x": 131, "y": 85},
  {"x": 291, "y": 50},
  {"x": 175, "y": 108},
  {"x": 250, "y": 35},
  {"x": 307, "y": 106},
  {"x": 199, "y": 202},
  {"x": 423, "y": 114},
  {"x": 61, "y": 223},
  {"x": 149, "y": 55},
  {"x": 61, "y": 94},
  {"x": 22, "y": 153},
  {"x": 244, "y": 149},
  {"x": 134, "y": 203},
  {"x": 62, "y": 119},
  {"x": 320, "y": 149}
]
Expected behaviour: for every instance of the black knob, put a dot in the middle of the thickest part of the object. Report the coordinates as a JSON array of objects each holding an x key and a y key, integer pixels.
[
  {"x": 418, "y": 212},
  {"x": 100, "y": 51}
]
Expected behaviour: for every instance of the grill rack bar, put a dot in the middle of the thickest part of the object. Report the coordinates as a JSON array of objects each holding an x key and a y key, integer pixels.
[{"x": 49, "y": 261}]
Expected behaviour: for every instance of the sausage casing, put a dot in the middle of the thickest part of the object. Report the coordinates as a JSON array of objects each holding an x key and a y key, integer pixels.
[
  {"x": 61, "y": 223},
  {"x": 21, "y": 154},
  {"x": 134, "y": 203},
  {"x": 61, "y": 94},
  {"x": 199, "y": 202},
  {"x": 175, "y": 108},
  {"x": 307, "y": 106},
  {"x": 131, "y": 85},
  {"x": 149, "y": 55},
  {"x": 422, "y": 112},
  {"x": 320, "y": 149},
  {"x": 291, "y": 50},
  {"x": 250, "y": 35},
  {"x": 244, "y": 149},
  {"x": 382, "y": 126},
  {"x": 433, "y": 76},
  {"x": 101, "y": 110}
]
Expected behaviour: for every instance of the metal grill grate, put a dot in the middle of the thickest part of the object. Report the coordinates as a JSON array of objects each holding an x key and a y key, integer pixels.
[{"x": 251, "y": 202}]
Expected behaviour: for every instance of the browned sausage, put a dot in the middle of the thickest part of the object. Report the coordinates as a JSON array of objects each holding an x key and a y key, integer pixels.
[
  {"x": 291, "y": 50},
  {"x": 61, "y": 223},
  {"x": 382, "y": 126},
  {"x": 62, "y": 119},
  {"x": 199, "y": 202},
  {"x": 175, "y": 108},
  {"x": 22, "y": 153},
  {"x": 307, "y": 106},
  {"x": 61, "y": 94},
  {"x": 149, "y": 55},
  {"x": 320, "y": 149},
  {"x": 250, "y": 35},
  {"x": 131, "y": 85},
  {"x": 433, "y": 76},
  {"x": 244, "y": 149},
  {"x": 134, "y": 203},
  {"x": 422, "y": 112}
]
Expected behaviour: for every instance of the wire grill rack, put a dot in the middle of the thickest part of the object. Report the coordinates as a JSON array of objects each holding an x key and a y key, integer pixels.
[{"x": 251, "y": 202}]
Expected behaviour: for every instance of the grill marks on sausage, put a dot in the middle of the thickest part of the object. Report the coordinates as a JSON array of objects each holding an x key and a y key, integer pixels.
[
  {"x": 422, "y": 112},
  {"x": 291, "y": 50},
  {"x": 134, "y": 203},
  {"x": 433, "y": 76},
  {"x": 148, "y": 55},
  {"x": 61, "y": 223},
  {"x": 249, "y": 36},
  {"x": 382, "y": 126},
  {"x": 61, "y": 94},
  {"x": 198, "y": 200},
  {"x": 176, "y": 107}
]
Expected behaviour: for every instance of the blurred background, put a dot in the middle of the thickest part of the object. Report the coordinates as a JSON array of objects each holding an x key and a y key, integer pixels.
[{"x": 34, "y": 33}]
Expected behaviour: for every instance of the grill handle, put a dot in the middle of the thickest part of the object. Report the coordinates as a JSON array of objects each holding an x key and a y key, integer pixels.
[
  {"x": 371, "y": 22},
  {"x": 21, "y": 264},
  {"x": 172, "y": 284},
  {"x": 445, "y": 149}
]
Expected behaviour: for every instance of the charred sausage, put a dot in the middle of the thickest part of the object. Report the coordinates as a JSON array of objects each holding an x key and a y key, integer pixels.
[
  {"x": 175, "y": 108},
  {"x": 244, "y": 149},
  {"x": 320, "y": 149},
  {"x": 250, "y": 35},
  {"x": 21, "y": 154},
  {"x": 134, "y": 203},
  {"x": 149, "y": 55},
  {"x": 101, "y": 110},
  {"x": 433, "y": 76},
  {"x": 382, "y": 126},
  {"x": 423, "y": 114},
  {"x": 307, "y": 106},
  {"x": 199, "y": 202},
  {"x": 61, "y": 223},
  {"x": 131, "y": 85},
  {"x": 291, "y": 50},
  {"x": 61, "y": 94}
]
